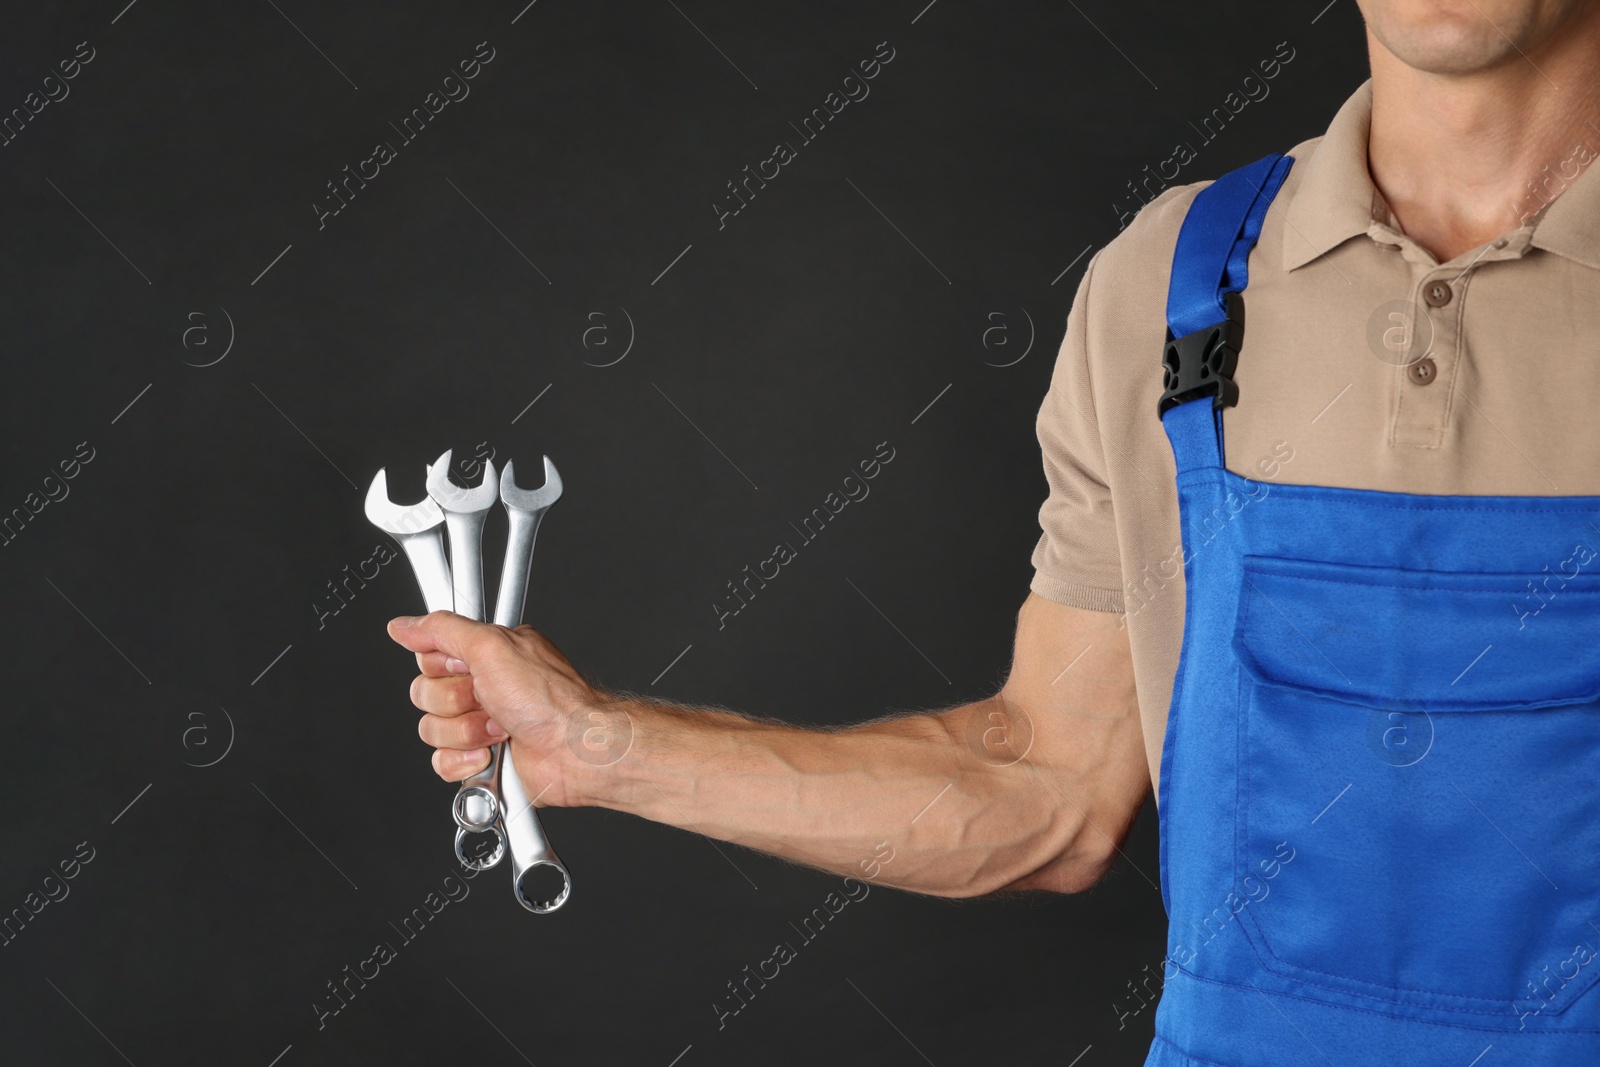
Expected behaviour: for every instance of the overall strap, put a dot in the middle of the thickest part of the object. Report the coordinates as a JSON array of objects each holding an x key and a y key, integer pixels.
[{"x": 1205, "y": 311}]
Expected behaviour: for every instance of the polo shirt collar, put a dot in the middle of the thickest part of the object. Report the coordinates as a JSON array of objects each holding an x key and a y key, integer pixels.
[
  {"x": 1570, "y": 226},
  {"x": 1336, "y": 199}
]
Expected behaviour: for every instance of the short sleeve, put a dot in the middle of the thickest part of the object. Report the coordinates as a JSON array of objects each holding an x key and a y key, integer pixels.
[{"x": 1077, "y": 561}]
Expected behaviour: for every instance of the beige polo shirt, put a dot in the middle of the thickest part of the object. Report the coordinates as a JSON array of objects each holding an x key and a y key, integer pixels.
[{"x": 1365, "y": 364}]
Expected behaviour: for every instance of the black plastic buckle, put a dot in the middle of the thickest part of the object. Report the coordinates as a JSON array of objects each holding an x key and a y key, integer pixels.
[{"x": 1202, "y": 363}]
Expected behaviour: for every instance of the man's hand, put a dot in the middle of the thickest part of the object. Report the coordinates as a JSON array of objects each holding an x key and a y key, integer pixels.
[{"x": 481, "y": 683}]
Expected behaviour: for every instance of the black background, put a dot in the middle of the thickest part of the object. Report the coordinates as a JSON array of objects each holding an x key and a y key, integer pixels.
[{"x": 144, "y": 609}]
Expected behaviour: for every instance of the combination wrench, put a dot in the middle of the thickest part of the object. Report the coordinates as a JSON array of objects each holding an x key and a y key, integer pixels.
[
  {"x": 530, "y": 849},
  {"x": 419, "y": 528},
  {"x": 477, "y": 803},
  {"x": 494, "y": 800}
]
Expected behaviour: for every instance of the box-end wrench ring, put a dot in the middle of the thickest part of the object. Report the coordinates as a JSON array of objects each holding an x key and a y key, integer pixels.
[{"x": 492, "y": 858}]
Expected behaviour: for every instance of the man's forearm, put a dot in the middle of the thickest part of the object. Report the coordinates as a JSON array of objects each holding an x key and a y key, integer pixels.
[
  {"x": 956, "y": 825},
  {"x": 1033, "y": 788}
]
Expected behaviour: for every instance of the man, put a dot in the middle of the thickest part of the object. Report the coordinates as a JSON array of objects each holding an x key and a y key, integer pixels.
[{"x": 1376, "y": 848}]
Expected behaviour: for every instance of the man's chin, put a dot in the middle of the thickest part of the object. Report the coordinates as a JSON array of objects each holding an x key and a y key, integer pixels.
[{"x": 1453, "y": 37}]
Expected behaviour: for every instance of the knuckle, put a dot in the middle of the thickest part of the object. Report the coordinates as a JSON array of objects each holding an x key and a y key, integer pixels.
[
  {"x": 436, "y": 731},
  {"x": 453, "y": 765},
  {"x": 488, "y": 643},
  {"x": 450, "y": 695},
  {"x": 462, "y": 697},
  {"x": 455, "y": 735}
]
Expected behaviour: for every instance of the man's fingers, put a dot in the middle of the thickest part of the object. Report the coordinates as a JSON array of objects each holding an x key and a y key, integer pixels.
[
  {"x": 441, "y": 631},
  {"x": 453, "y": 766},
  {"x": 439, "y": 665},
  {"x": 451, "y": 695},
  {"x": 470, "y": 731}
]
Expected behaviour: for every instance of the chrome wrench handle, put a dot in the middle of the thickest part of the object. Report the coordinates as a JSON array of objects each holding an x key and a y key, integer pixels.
[
  {"x": 426, "y": 553},
  {"x": 467, "y": 567}
]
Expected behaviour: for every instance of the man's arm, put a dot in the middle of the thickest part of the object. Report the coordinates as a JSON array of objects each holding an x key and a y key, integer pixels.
[{"x": 1033, "y": 788}]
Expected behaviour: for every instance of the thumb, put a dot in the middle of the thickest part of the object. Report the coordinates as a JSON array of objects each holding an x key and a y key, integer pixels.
[{"x": 440, "y": 631}]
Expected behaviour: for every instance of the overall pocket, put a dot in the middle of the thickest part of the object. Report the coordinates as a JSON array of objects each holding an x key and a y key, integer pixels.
[{"x": 1428, "y": 743}]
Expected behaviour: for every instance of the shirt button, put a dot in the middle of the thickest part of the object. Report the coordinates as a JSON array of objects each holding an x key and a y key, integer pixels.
[
  {"x": 1423, "y": 371},
  {"x": 1501, "y": 243},
  {"x": 1436, "y": 294}
]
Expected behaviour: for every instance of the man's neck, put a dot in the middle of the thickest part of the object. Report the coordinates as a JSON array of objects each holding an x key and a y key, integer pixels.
[{"x": 1462, "y": 159}]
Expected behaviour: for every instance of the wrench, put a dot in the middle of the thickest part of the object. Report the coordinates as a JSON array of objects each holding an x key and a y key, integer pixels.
[
  {"x": 464, "y": 513},
  {"x": 494, "y": 799},
  {"x": 530, "y": 849},
  {"x": 476, "y": 805},
  {"x": 514, "y": 822},
  {"x": 526, "y": 508},
  {"x": 419, "y": 530}
]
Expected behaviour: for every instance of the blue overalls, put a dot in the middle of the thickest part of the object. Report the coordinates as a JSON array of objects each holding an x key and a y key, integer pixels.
[{"x": 1380, "y": 787}]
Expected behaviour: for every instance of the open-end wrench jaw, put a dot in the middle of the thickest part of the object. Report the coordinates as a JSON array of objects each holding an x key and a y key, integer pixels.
[
  {"x": 525, "y": 508},
  {"x": 419, "y": 529},
  {"x": 400, "y": 519},
  {"x": 452, "y": 498},
  {"x": 464, "y": 513},
  {"x": 518, "y": 499}
]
